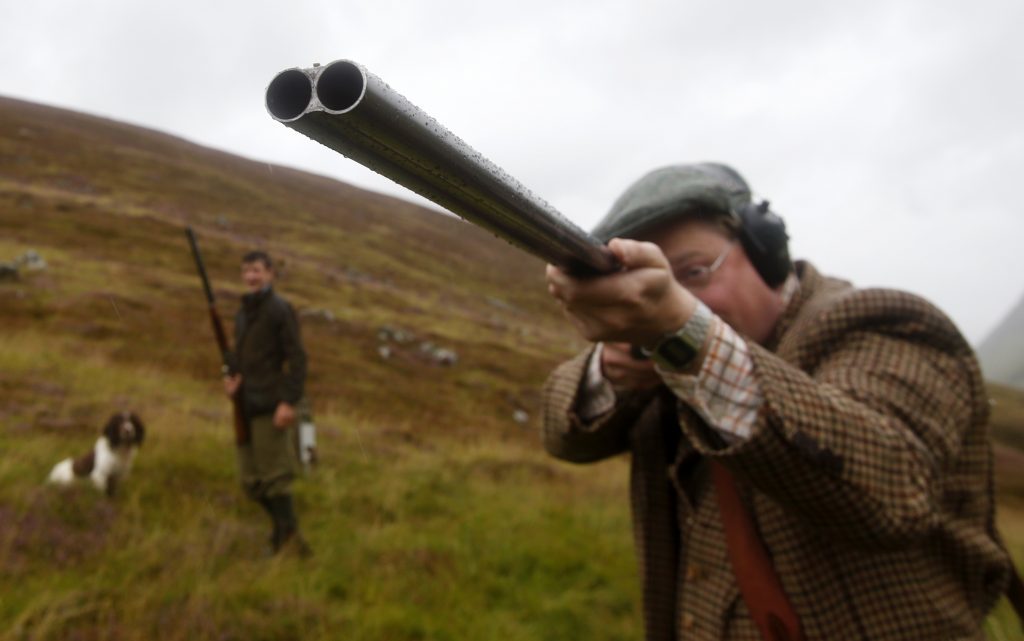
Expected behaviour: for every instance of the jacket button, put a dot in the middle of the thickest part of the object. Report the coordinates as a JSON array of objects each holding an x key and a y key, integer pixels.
[
  {"x": 688, "y": 621},
  {"x": 693, "y": 572}
]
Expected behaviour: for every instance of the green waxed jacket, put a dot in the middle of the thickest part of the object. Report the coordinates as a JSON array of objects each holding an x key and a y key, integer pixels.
[{"x": 268, "y": 353}]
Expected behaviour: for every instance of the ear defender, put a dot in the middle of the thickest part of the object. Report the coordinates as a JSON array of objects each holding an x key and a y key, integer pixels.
[{"x": 764, "y": 239}]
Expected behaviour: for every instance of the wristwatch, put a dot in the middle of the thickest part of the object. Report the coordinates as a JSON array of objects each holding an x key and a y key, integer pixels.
[{"x": 675, "y": 351}]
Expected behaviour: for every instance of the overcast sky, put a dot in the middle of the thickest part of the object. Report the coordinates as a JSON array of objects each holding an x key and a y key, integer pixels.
[{"x": 887, "y": 133}]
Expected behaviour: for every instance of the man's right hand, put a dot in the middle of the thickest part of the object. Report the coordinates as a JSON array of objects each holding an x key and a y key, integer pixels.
[
  {"x": 231, "y": 384},
  {"x": 624, "y": 371},
  {"x": 638, "y": 304}
]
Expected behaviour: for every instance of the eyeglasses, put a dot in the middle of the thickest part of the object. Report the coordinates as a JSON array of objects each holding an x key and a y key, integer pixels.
[{"x": 699, "y": 276}]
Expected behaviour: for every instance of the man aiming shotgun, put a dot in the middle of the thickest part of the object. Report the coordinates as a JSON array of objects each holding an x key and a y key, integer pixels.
[
  {"x": 826, "y": 448},
  {"x": 809, "y": 460}
]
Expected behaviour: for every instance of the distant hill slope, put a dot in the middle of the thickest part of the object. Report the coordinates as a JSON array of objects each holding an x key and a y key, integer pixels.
[
  {"x": 106, "y": 204},
  {"x": 1002, "y": 351}
]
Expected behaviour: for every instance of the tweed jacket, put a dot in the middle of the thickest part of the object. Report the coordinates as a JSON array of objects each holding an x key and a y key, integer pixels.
[{"x": 868, "y": 475}]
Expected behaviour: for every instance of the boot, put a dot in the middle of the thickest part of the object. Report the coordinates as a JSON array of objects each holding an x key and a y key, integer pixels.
[
  {"x": 286, "y": 526},
  {"x": 275, "y": 535}
]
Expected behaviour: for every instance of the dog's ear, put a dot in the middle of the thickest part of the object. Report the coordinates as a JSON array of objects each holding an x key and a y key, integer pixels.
[
  {"x": 140, "y": 429},
  {"x": 111, "y": 430}
]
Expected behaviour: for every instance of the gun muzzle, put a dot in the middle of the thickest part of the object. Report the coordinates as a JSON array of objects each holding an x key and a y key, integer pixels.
[{"x": 344, "y": 107}]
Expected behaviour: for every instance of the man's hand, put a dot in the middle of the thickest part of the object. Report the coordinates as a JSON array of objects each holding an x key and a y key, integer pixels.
[
  {"x": 231, "y": 385},
  {"x": 284, "y": 415},
  {"x": 624, "y": 371},
  {"x": 637, "y": 305}
]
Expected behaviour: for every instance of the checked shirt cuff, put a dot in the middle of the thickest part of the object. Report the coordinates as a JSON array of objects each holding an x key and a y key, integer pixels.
[{"x": 724, "y": 393}]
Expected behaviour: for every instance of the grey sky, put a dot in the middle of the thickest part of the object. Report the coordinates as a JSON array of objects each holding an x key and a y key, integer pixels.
[{"x": 888, "y": 134}]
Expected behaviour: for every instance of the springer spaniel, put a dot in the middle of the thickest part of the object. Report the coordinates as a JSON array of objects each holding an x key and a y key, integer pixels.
[{"x": 110, "y": 458}]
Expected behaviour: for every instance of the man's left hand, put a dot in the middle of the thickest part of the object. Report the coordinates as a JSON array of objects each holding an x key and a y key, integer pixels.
[
  {"x": 284, "y": 415},
  {"x": 637, "y": 305}
]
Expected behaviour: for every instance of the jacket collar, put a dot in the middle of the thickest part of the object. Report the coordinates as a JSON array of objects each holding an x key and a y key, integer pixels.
[
  {"x": 252, "y": 300},
  {"x": 809, "y": 280}
]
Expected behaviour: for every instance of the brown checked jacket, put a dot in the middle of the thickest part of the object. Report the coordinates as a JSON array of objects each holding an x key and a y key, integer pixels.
[{"x": 868, "y": 475}]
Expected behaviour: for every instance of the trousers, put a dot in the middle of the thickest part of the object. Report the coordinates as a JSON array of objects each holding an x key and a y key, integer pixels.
[{"x": 267, "y": 464}]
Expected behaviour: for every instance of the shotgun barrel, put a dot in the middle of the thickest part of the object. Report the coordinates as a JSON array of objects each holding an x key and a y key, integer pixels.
[{"x": 344, "y": 107}]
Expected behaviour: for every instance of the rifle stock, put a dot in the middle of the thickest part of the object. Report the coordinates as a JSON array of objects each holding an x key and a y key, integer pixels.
[
  {"x": 240, "y": 427},
  {"x": 353, "y": 112}
]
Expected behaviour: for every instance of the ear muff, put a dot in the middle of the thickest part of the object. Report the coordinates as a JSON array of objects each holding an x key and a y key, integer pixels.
[{"x": 763, "y": 236}]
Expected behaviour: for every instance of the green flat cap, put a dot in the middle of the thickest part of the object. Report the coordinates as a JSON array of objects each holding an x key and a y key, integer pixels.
[{"x": 673, "y": 191}]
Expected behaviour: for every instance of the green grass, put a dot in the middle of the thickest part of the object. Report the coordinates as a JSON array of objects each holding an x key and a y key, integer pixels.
[
  {"x": 394, "y": 560},
  {"x": 418, "y": 534}
]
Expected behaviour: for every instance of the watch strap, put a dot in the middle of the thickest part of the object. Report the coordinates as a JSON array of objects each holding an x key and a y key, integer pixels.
[{"x": 675, "y": 351}]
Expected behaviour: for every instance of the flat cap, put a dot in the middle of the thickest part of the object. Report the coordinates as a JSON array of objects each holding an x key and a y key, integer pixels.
[{"x": 671, "y": 192}]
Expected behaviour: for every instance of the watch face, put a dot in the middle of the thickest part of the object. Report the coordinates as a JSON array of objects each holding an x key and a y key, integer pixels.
[{"x": 674, "y": 352}]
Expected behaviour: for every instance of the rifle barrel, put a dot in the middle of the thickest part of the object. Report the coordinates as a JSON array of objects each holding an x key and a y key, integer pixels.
[
  {"x": 218, "y": 327},
  {"x": 199, "y": 264},
  {"x": 346, "y": 108}
]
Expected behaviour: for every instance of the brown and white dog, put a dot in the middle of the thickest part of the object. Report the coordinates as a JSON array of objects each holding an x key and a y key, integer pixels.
[{"x": 110, "y": 458}]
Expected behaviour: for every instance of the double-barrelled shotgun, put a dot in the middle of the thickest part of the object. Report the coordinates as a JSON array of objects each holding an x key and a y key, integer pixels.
[{"x": 352, "y": 111}]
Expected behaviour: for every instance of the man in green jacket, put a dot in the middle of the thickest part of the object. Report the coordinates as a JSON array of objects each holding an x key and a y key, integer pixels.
[{"x": 269, "y": 371}]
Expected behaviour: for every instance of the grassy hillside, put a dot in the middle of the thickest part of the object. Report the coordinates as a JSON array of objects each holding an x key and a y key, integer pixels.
[{"x": 433, "y": 514}]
